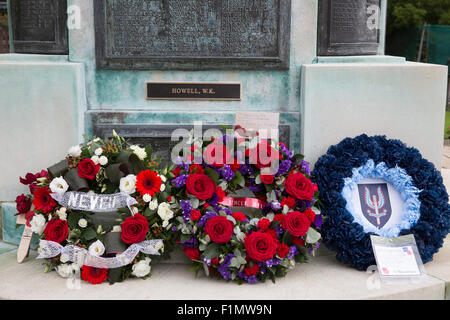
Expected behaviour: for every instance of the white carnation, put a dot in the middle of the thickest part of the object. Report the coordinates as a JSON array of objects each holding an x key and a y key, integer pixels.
[
  {"x": 140, "y": 152},
  {"x": 38, "y": 224},
  {"x": 82, "y": 223},
  {"x": 98, "y": 151},
  {"x": 147, "y": 197},
  {"x": 141, "y": 268},
  {"x": 163, "y": 178},
  {"x": 75, "y": 151},
  {"x": 163, "y": 187},
  {"x": 95, "y": 159},
  {"x": 59, "y": 185},
  {"x": 103, "y": 160},
  {"x": 128, "y": 184},
  {"x": 117, "y": 229},
  {"x": 97, "y": 248},
  {"x": 164, "y": 211},
  {"x": 62, "y": 213}
]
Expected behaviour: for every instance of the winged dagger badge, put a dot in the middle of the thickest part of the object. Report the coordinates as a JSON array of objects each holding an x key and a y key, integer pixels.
[{"x": 375, "y": 205}]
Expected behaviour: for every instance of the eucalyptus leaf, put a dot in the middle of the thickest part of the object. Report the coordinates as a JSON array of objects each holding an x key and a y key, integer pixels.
[
  {"x": 312, "y": 236},
  {"x": 212, "y": 251}
]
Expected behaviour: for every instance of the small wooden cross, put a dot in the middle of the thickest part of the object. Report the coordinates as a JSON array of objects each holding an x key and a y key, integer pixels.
[{"x": 25, "y": 241}]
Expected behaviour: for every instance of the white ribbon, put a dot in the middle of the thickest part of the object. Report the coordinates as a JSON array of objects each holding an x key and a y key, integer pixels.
[{"x": 80, "y": 256}]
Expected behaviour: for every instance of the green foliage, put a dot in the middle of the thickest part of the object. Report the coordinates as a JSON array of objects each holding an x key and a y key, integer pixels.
[{"x": 404, "y": 14}]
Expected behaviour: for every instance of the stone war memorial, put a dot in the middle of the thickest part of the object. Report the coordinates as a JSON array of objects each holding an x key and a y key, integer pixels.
[{"x": 240, "y": 138}]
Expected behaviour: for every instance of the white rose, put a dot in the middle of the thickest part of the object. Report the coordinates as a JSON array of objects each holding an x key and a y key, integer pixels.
[
  {"x": 128, "y": 184},
  {"x": 59, "y": 185},
  {"x": 98, "y": 151},
  {"x": 65, "y": 270},
  {"x": 163, "y": 178},
  {"x": 147, "y": 197},
  {"x": 116, "y": 229},
  {"x": 75, "y": 151},
  {"x": 142, "y": 268},
  {"x": 95, "y": 159},
  {"x": 164, "y": 211},
  {"x": 140, "y": 152},
  {"x": 103, "y": 160},
  {"x": 153, "y": 204},
  {"x": 97, "y": 248},
  {"x": 82, "y": 223},
  {"x": 163, "y": 187},
  {"x": 38, "y": 224}
]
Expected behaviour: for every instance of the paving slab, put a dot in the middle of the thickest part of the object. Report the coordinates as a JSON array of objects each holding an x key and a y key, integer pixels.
[{"x": 322, "y": 278}]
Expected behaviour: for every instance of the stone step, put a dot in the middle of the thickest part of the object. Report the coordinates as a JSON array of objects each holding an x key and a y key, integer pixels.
[{"x": 322, "y": 278}]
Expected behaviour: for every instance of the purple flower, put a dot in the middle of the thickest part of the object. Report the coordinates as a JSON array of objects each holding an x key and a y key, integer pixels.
[
  {"x": 246, "y": 170},
  {"x": 292, "y": 252},
  {"x": 254, "y": 187},
  {"x": 275, "y": 205},
  {"x": 191, "y": 243},
  {"x": 318, "y": 220},
  {"x": 305, "y": 167},
  {"x": 186, "y": 208},
  {"x": 286, "y": 151},
  {"x": 227, "y": 173},
  {"x": 208, "y": 215},
  {"x": 180, "y": 180},
  {"x": 272, "y": 262},
  {"x": 223, "y": 268},
  {"x": 250, "y": 279}
]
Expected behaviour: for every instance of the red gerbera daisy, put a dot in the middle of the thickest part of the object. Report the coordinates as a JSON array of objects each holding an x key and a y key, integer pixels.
[
  {"x": 94, "y": 275},
  {"x": 43, "y": 200},
  {"x": 148, "y": 182}
]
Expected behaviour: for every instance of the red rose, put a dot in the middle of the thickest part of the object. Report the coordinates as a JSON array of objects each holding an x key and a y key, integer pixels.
[
  {"x": 57, "y": 230},
  {"x": 29, "y": 179},
  {"x": 219, "y": 229},
  {"x": 279, "y": 217},
  {"x": 239, "y": 216},
  {"x": 200, "y": 186},
  {"x": 220, "y": 194},
  {"x": 43, "y": 201},
  {"x": 134, "y": 229},
  {"x": 289, "y": 201},
  {"x": 296, "y": 223},
  {"x": 264, "y": 224},
  {"x": 192, "y": 253},
  {"x": 251, "y": 271},
  {"x": 195, "y": 215},
  {"x": 195, "y": 168},
  {"x": 217, "y": 155},
  {"x": 263, "y": 155},
  {"x": 310, "y": 214},
  {"x": 94, "y": 275},
  {"x": 298, "y": 186},
  {"x": 23, "y": 204},
  {"x": 215, "y": 261},
  {"x": 88, "y": 169},
  {"x": 260, "y": 246},
  {"x": 267, "y": 178},
  {"x": 299, "y": 242},
  {"x": 282, "y": 250},
  {"x": 272, "y": 233}
]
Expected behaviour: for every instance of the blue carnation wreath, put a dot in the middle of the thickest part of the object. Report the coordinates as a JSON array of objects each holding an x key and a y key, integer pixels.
[{"x": 426, "y": 214}]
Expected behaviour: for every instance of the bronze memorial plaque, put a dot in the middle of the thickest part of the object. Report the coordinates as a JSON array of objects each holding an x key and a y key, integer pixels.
[
  {"x": 192, "y": 34},
  {"x": 193, "y": 91}
]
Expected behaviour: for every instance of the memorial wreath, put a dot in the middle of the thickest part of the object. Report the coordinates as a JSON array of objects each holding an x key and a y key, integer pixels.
[
  {"x": 375, "y": 186},
  {"x": 280, "y": 228},
  {"x": 104, "y": 208}
]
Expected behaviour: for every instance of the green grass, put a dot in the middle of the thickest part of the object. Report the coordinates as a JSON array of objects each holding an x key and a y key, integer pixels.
[{"x": 447, "y": 125}]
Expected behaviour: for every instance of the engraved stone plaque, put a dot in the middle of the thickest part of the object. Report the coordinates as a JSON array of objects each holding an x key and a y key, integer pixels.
[
  {"x": 39, "y": 26},
  {"x": 192, "y": 34},
  {"x": 349, "y": 27}
]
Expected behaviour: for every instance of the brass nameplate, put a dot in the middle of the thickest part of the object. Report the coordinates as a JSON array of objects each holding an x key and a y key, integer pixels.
[{"x": 193, "y": 91}]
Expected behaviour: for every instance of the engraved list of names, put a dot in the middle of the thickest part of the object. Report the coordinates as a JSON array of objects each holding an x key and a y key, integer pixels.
[{"x": 179, "y": 33}]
